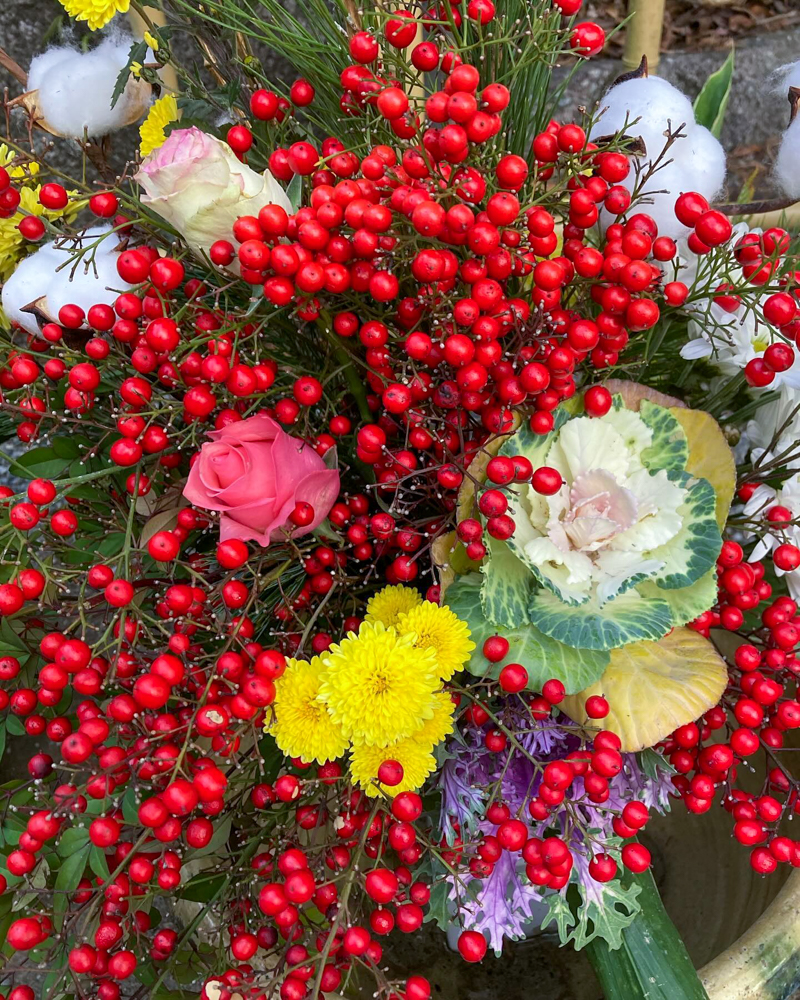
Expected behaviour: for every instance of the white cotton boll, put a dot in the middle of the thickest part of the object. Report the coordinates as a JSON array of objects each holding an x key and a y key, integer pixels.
[
  {"x": 55, "y": 276},
  {"x": 87, "y": 284},
  {"x": 30, "y": 280},
  {"x": 694, "y": 162},
  {"x": 787, "y": 76},
  {"x": 705, "y": 165},
  {"x": 787, "y": 164},
  {"x": 75, "y": 89},
  {"x": 651, "y": 99}
]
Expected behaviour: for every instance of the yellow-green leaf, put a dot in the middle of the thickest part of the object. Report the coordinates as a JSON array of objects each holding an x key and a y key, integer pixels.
[{"x": 654, "y": 687}]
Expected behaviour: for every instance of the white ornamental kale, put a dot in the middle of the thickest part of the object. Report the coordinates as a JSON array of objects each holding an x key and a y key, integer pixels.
[{"x": 623, "y": 552}]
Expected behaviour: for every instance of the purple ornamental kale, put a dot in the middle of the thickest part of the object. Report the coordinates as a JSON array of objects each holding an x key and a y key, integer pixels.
[{"x": 506, "y": 901}]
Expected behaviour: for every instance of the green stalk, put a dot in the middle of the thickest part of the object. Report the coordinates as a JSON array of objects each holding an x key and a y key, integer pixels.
[{"x": 652, "y": 963}]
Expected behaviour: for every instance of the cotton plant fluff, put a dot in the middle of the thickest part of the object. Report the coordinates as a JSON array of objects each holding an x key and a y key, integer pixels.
[
  {"x": 787, "y": 164},
  {"x": 648, "y": 108},
  {"x": 50, "y": 279},
  {"x": 71, "y": 91}
]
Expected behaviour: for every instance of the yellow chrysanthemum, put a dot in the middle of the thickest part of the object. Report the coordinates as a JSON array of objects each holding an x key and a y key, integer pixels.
[
  {"x": 151, "y": 40},
  {"x": 96, "y": 13},
  {"x": 378, "y": 686},
  {"x": 415, "y": 758},
  {"x": 151, "y": 131},
  {"x": 388, "y": 604},
  {"x": 440, "y": 725},
  {"x": 303, "y": 727},
  {"x": 443, "y": 631}
]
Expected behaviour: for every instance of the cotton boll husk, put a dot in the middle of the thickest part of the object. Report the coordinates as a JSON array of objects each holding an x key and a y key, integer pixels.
[
  {"x": 73, "y": 90},
  {"x": 787, "y": 164},
  {"x": 30, "y": 280}
]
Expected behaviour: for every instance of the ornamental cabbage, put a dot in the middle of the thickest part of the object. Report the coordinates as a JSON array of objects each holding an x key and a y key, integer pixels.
[{"x": 624, "y": 552}]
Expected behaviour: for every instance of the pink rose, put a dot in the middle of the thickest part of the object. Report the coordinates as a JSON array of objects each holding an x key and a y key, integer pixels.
[{"x": 254, "y": 474}]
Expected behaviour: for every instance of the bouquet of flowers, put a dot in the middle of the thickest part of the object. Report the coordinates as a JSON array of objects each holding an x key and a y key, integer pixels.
[{"x": 406, "y": 508}]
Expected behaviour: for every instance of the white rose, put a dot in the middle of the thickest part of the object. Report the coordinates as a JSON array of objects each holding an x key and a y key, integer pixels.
[{"x": 196, "y": 183}]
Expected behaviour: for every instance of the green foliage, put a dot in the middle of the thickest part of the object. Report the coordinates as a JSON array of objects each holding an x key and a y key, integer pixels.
[
  {"x": 201, "y": 888},
  {"x": 712, "y": 101},
  {"x": 68, "y": 877},
  {"x": 602, "y": 915}
]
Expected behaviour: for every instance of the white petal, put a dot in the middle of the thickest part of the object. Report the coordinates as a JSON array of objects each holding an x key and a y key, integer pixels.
[
  {"x": 615, "y": 568},
  {"x": 570, "y": 572}
]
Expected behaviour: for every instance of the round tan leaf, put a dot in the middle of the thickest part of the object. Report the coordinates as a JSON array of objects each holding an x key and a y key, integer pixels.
[{"x": 654, "y": 687}]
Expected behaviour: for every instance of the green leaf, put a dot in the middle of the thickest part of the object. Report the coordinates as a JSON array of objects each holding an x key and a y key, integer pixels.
[
  {"x": 694, "y": 550},
  {"x": 438, "y": 911},
  {"x": 685, "y": 603},
  {"x": 15, "y": 726},
  {"x": 541, "y": 656},
  {"x": 712, "y": 101},
  {"x": 507, "y": 586},
  {"x": 670, "y": 447},
  {"x": 202, "y": 887},
  {"x": 2, "y": 739},
  {"x": 627, "y": 618},
  {"x": 137, "y": 53},
  {"x": 220, "y": 837},
  {"x": 652, "y": 962},
  {"x": 602, "y": 914},
  {"x": 41, "y": 463},
  {"x": 72, "y": 840},
  {"x": 98, "y": 862},
  {"x": 654, "y": 764},
  {"x": 295, "y": 192},
  {"x": 559, "y": 912},
  {"x": 10, "y": 642},
  {"x": 130, "y": 807},
  {"x": 606, "y": 919},
  {"x": 69, "y": 875}
]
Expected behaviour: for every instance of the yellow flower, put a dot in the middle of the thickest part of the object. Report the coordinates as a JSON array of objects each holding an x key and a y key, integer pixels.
[
  {"x": 415, "y": 758},
  {"x": 378, "y": 686},
  {"x": 151, "y": 131},
  {"x": 443, "y": 631},
  {"x": 136, "y": 69},
  {"x": 96, "y": 13},
  {"x": 151, "y": 40},
  {"x": 388, "y": 604},
  {"x": 302, "y": 727},
  {"x": 440, "y": 725}
]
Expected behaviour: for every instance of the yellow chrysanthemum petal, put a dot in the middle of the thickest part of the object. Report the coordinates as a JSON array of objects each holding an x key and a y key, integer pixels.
[
  {"x": 151, "y": 40},
  {"x": 96, "y": 13},
  {"x": 151, "y": 131},
  {"x": 443, "y": 631},
  {"x": 415, "y": 758},
  {"x": 378, "y": 685},
  {"x": 303, "y": 727},
  {"x": 388, "y": 604},
  {"x": 440, "y": 725}
]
